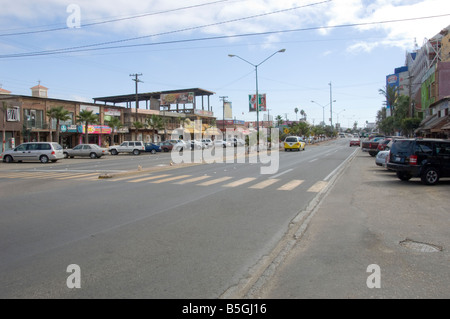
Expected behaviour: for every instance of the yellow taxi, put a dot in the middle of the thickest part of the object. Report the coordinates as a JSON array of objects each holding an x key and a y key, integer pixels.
[{"x": 294, "y": 143}]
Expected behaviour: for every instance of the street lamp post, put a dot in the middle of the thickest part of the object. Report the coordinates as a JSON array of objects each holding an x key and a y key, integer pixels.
[
  {"x": 323, "y": 107},
  {"x": 337, "y": 113},
  {"x": 256, "y": 74}
]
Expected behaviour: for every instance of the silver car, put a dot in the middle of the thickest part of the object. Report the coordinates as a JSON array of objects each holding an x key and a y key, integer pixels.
[
  {"x": 35, "y": 151},
  {"x": 86, "y": 150}
]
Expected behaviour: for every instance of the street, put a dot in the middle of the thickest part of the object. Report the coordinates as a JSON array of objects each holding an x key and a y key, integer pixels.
[{"x": 181, "y": 232}]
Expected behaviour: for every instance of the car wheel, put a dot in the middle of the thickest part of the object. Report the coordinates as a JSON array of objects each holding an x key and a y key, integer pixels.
[
  {"x": 136, "y": 152},
  {"x": 93, "y": 155},
  {"x": 403, "y": 176},
  {"x": 114, "y": 152},
  {"x": 66, "y": 155},
  {"x": 8, "y": 159},
  {"x": 372, "y": 154},
  {"x": 153, "y": 151},
  {"x": 430, "y": 176},
  {"x": 43, "y": 159}
]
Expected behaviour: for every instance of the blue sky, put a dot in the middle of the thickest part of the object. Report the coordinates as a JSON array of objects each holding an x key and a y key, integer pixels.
[{"x": 178, "y": 44}]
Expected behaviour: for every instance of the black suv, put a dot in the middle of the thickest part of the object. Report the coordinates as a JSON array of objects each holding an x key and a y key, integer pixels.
[{"x": 428, "y": 159}]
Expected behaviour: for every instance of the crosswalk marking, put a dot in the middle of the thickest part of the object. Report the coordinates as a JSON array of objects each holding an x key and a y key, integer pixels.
[
  {"x": 240, "y": 182},
  {"x": 265, "y": 183},
  {"x": 78, "y": 176},
  {"x": 317, "y": 187},
  {"x": 148, "y": 178},
  {"x": 291, "y": 185},
  {"x": 192, "y": 180},
  {"x": 215, "y": 181},
  {"x": 169, "y": 179}
]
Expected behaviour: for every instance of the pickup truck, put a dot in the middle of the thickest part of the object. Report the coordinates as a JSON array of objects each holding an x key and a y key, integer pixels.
[{"x": 371, "y": 145}]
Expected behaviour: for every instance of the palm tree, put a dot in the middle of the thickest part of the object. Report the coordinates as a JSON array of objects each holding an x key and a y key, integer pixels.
[
  {"x": 391, "y": 96},
  {"x": 156, "y": 123},
  {"x": 303, "y": 114},
  {"x": 137, "y": 126},
  {"x": 114, "y": 123},
  {"x": 296, "y": 111},
  {"x": 279, "y": 120},
  {"x": 87, "y": 117},
  {"x": 60, "y": 114}
]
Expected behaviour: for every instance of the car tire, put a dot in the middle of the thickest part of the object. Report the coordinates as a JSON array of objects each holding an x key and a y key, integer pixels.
[
  {"x": 430, "y": 176},
  {"x": 43, "y": 159},
  {"x": 404, "y": 176},
  {"x": 114, "y": 152},
  {"x": 136, "y": 152},
  {"x": 8, "y": 159},
  {"x": 93, "y": 155},
  {"x": 66, "y": 155}
]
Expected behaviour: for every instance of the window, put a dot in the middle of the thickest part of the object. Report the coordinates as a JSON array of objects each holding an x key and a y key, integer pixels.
[
  {"x": 424, "y": 148},
  {"x": 443, "y": 149},
  {"x": 13, "y": 114},
  {"x": 44, "y": 147}
]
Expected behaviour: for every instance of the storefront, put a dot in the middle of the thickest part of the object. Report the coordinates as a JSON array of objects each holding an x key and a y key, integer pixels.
[{"x": 98, "y": 134}]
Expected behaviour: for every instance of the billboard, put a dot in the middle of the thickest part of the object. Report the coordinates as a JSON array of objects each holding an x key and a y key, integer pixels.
[
  {"x": 177, "y": 98},
  {"x": 228, "y": 111},
  {"x": 252, "y": 102}
]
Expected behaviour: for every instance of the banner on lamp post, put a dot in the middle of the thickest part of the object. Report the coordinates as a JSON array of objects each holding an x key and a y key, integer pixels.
[{"x": 252, "y": 102}]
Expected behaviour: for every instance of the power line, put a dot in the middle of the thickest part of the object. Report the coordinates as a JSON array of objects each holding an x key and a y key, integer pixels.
[
  {"x": 74, "y": 49},
  {"x": 112, "y": 20},
  {"x": 83, "y": 49}
]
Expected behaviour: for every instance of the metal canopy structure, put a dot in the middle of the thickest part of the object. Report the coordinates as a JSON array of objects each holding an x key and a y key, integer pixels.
[{"x": 129, "y": 98}]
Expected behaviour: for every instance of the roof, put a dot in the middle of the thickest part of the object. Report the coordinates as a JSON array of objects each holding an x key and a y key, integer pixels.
[
  {"x": 151, "y": 95},
  {"x": 4, "y": 91},
  {"x": 39, "y": 87}
]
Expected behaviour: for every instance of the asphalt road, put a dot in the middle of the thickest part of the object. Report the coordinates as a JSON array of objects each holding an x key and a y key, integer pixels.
[{"x": 181, "y": 231}]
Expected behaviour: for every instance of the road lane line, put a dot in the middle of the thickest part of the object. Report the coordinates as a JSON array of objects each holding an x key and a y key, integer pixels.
[
  {"x": 337, "y": 168},
  {"x": 191, "y": 180},
  {"x": 147, "y": 178},
  {"x": 77, "y": 176},
  {"x": 282, "y": 173},
  {"x": 169, "y": 179},
  {"x": 317, "y": 187},
  {"x": 240, "y": 182},
  {"x": 215, "y": 181},
  {"x": 264, "y": 184},
  {"x": 290, "y": 185}
]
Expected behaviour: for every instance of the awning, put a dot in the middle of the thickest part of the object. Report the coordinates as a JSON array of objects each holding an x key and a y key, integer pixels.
[{"x": 440, "y": 124}]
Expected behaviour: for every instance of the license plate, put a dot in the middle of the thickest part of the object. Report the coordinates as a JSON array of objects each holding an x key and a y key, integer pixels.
[{"x": 398, "y": 159}]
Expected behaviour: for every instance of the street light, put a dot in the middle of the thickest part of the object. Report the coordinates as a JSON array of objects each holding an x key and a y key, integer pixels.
[
  {"x": 337, "y": 113},
  {"x": 323, "y": 107},
  {"x": 257, "y": 96}
]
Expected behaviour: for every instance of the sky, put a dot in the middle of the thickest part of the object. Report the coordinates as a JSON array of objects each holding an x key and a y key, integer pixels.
[{"x": 337, "y": 51}]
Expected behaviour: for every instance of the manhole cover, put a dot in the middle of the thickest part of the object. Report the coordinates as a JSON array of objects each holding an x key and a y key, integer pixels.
[{"x": 418, "y": 246}]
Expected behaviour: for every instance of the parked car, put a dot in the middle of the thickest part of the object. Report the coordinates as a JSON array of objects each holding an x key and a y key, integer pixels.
[
  {"x": 134, "y": 147},
  {"x": 234, "y": 142},
  {"x": 195, "y": 145},
  {"x": 152, "y": 148},
  {"x": 166, "y": 146},
  {"x": 428, "y": 159},
  {"x": 355, "y": 142},
  {"x": 207, "y": 143},
  {"x": 371, "y": 145},
  {"x": 381, "y": 158},
  {"x": 85, "y": 150},
  {"x": 35, "y": 151},
  {"x": 294, "y": 143},
  {"x": 180, "y": 146}
]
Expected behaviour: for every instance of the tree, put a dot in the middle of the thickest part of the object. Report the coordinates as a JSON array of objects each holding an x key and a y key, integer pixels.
[
  {"x": 137, "y": 126},
  {"x": 156, "y": 123},
  {"x": 87, "y": 117},
  {"x": 303, "y": 114},
  {"x": 410, "y": 124},
  {"x": 114, "y": 123},
  {"x": 296, "y": 111},
  {"x": 391, "y": 97},
  {"x": 279, "y": 120},
  {"x": 60, "y": 114}
]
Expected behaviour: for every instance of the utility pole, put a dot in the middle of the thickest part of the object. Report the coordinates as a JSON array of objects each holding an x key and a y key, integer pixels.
[
  {"x": 331, "y": 108},
  {"x": 223, "y": 114},
  {"x": 136, "y": 79}
]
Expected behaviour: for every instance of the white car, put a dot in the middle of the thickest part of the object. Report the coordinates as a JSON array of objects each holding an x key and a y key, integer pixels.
[
  {"x": 207, "y": 143},
  {"x": 134, "y": 147},
  {"x": 180, "y": 146},
  {"x": 35, "y": 151},
  {"x": 381, "y": 158}
]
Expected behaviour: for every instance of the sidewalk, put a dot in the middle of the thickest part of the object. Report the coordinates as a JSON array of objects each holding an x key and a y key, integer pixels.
[{"x": 370, "y": 217}]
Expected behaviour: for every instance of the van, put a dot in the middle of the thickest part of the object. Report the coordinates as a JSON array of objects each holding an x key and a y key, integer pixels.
[
  {"x": 36, "y": 151},
  {"x": 294, "y": 143}
]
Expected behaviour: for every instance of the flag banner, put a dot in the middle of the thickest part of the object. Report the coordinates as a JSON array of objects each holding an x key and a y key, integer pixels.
[{"x": 252, "y": 102}]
